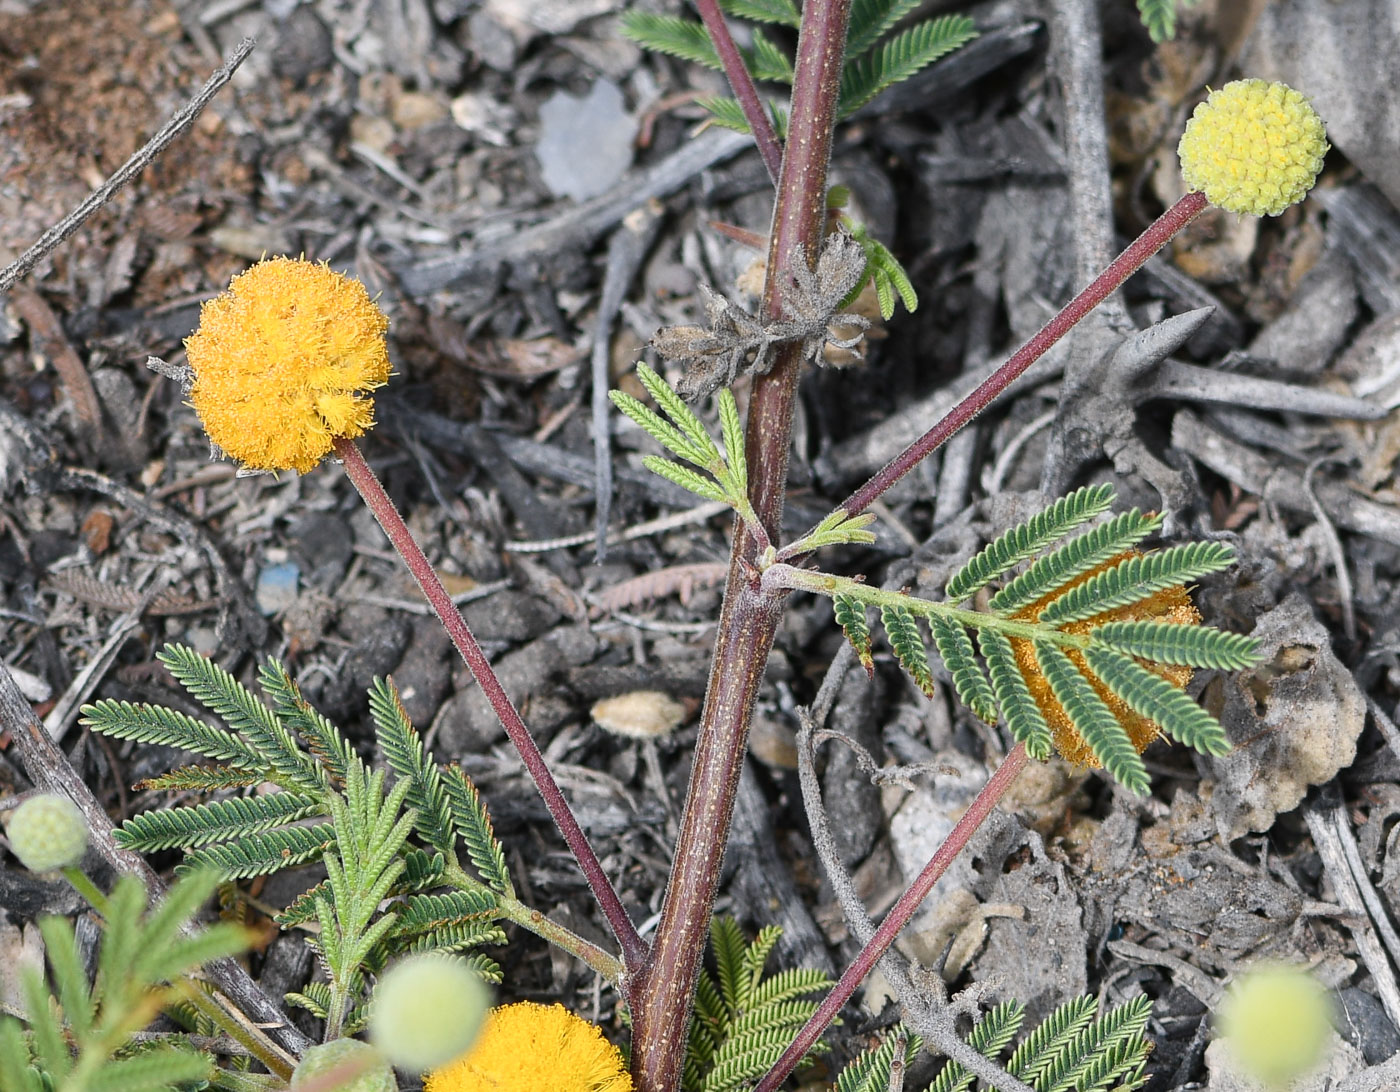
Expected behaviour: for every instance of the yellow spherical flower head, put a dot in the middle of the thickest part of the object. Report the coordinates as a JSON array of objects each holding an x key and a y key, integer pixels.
[
  {"x": 1277, "y": 1020},
  {"x": 1169, "y": 605},
  {"x": 1254, "y": 147},
  {"x": 283, "y": 361},
  {"x": 527, "y": 1047}
]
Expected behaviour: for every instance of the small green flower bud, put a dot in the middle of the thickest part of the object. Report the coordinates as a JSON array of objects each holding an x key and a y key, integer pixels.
[
  {"x": 1277, "y": 1022},
  {"x": 48, "y": 832},
  {"x": 427, "y": 1011},
  {"x": 374, "y": 1076}
]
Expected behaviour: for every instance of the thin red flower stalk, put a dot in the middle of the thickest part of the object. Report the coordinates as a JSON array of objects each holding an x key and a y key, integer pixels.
[
  {"x": 1157, "y": 235},
  {"x": 634, "y": 949},
  {"x": 737, "y": 73},
  {"x": 898, "y": 917}
]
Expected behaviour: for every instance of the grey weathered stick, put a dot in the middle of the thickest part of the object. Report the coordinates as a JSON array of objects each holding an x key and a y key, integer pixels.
[
  {"x": 51, "y": 771},
  {"x": 626, "y": 249},
  {"x": 922, "y": 1014},
  {"x": 1330, "y": 831},
  {"x": 178, "y": 123},
  {"x": 578, "y": 226},
  {"x": 1282, "y": 485},
  {"x": 1079, "y": 45}
]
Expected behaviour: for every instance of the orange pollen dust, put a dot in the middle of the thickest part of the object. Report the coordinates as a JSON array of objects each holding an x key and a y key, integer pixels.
[{"x": 1170, "y": 605}]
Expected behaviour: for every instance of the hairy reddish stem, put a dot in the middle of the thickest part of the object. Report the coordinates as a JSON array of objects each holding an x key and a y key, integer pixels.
[
  {"x": 634, "y": 949},
  {"x": 1157, "y": 235},
  {"x": 737, "y": 73},
  {"x": 749, "y": 618},
  {"x": 898, "y": 917}
]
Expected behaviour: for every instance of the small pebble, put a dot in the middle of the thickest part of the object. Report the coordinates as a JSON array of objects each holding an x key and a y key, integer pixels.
[
  {"x": 642, "y": 714},
  {"x": 585, "y": 144},
  {"x": 277, "y": 587}
]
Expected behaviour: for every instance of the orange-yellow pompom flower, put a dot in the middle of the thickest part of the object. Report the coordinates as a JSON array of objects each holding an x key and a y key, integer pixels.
[
  {"x": 1254, "y": 147},
  {"x": 283, "y": 362},
  {"x": 527, "y": 1047}
]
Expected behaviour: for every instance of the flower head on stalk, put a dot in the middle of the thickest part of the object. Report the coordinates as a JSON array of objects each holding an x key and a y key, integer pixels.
[
  {"x": 1253, "y": 147},
  {"x": 526, "y": 1047},
  {"x": 283, "y": 363}
]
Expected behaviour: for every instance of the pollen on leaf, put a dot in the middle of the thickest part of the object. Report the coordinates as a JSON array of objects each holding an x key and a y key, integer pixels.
[
  {"x": 527, "y": 1047},
  {"x": 284, "y": 361},
  {"x": 1169, "y": 605},
  {"x": 1253, "y": 147}
]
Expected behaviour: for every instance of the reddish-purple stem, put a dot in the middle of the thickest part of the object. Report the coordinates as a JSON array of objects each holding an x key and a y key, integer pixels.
[
  {"x": 1157, "y": 235},
  {"x": 899, "y": 915},
  {"x": 749, "y": 618},
  {"x": 634, "y": 949},
  {"x": 744, "y": 90}
]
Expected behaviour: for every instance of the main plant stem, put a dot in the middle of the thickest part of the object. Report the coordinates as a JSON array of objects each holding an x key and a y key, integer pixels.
[{"x": 749, "y": 618}]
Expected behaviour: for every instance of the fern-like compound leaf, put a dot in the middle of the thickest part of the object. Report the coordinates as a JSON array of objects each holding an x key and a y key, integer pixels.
[
  {"x": 969, "y": 680},
  {"x": 152, "y": 1071},
  {"x": 732, "y": 432},
  {"x": 315, "y": 998},
  {"x": 473, "y": 823},
  {"x": 322, "y": 738},
  {"x": 1027, "y": 539},
  {"x": 900, "y": 57},
  {"x": 421, "y": 870},
  {"x": 421, "y": 913},
  {"x": 1159, "y": 17},
  {"x": 783, "y": 12},
  {"x": 706, "y": 1033},
  {"x": 908, "y": 644},
  {"x": 219, "y": 821},
  {"x": 726, "y": 113},
  {"x": 15, "y": 1070},
  {"x": 663, "y": 432},
  {"x": 1098, "y": 1043},
  {"x": 686, "y": 478},
  {"x": 1159, "y": 701},
  {"x": 850, "y": 616},
  {"x": 463, "y": 937},
  {"x": 1039, "y": 1048},
  {"x": 751, "y": 967},
  {"x": 408, "y": 758},
  {"x": 169, "y": 728},
  {"x": 1136, "y": 578},
  {"x": 1170, "y": 643},
  {"x": 68, "y": 974},
  {"x": 669, "y": 34},
  {"x": 239, "y": 708},
  {"x": 767, "y": 62},
  {"x": 747, "y": 1055},
  {"x": 303, "y": 908},
  {"x": 201, "y": 779},
  {"x": 741, "y": 1022},
  {"x": 1074, "y": 558},
  {"x": 1023, "y": 717},
  {"x": 704, "y": 452},
  {"x": 786, "y": 985},
  {"x": 1093, "y": 719},
  {"x": 988, "y": 1037},
  {"x": 728, "y": 945},
  {"x": 871, "y": 20},
  {"x": 262, "y": 854},
  {"x": 870, "y": 1071}
]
